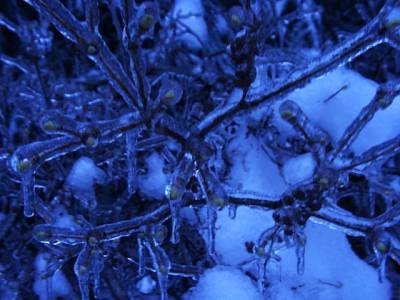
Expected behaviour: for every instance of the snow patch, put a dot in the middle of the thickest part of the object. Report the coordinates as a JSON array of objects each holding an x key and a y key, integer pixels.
[
  {"x": 224, "y": 283},
  {"x": 299, "y": 168},
  {"x": 57, "y": 284},
  {"x": 192, "y": 17},
  {"x": 153, "y": 183}
]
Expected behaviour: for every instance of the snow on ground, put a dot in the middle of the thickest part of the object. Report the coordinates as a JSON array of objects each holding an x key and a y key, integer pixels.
[
  {"x": 232, "y": 234},
  {"x": 225, "y": 283},
  {"x": 193, "y": 10},
  {"x": 298, "y": 169},
  {"x": 84, "y": 173},
  {"x": 335, "y": 114},
  {"x": 153, "y": 183},
  {"x": 57, "y": 285},
  {"x": 252, "y": 169},
  {"x": 332, "y": 270}
]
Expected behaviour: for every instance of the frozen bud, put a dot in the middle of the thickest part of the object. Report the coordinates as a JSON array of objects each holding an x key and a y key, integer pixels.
[
  {"x": 55, "y": 123},
  {"x": 145, "y": 22},
  {"x": 218, "y": 196},
  {"x": 23, "y": 160},
  {"x": 170, "y": 92},
  {"x": 260, "y": 251},
  {"x": 172, "y": 192},
  {"x": 89, "y": 136},
  {"x": 50, "y": 125},
  {"x": 92, "y": 240},
  {"x": 382, "y": 246},
  {"x": 21, "y": 165},
  {"x": 82, "y": 270},
  {"x": 91, "y": 49},
  {"x": 288, "y": 111},
  {"x": 236, "y": 16},
  {"x": 382, "y": 242},
  {"x": 160, "y": 233},
  {"x": 147, "y": 16}
]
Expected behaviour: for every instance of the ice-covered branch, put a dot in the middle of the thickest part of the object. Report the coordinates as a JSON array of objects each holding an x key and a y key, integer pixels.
[
  {"x": 92, "y": 44},
  {"x": 384, "y": 97},
  {"x": 360, "y": 42}
]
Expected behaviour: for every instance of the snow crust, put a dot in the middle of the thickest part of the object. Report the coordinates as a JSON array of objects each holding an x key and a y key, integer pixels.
[
  {"x": 84, "y": 173},
  {"x": 226, "y": 283},
  {"x": 153, "y": 183}
]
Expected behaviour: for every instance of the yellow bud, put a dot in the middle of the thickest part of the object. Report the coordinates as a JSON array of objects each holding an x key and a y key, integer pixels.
[
  {"x": 260, "y": 251},
  {"x": 145, "y": 22},
  {"x": 82, "y": 270},
  {"x": 235, "y": 20},
  {"x": 169, "y": 96},
  {"x": 50, "y": 125},
  {"x": 91, "y": 141},
  {"x": 24, "y": 165},
  {"x": 218, "y": 202},
  {"x": 286, "y": 115},
  {"x": 91, "y": 49},
  {"x": 173, "y": 193},
  {"x": 381, "y": 247},
  {"x": 93, "y": 240},
  {"x": 42, "y": 235},
  {"x": 323, "y": 181}
]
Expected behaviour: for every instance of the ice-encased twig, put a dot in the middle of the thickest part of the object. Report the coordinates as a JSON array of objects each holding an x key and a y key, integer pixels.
[
  {"x": 388, "y": 148},
  {"x": 18, "y": 63},
  {"x": 360, "y": 42},
  {"x": 174, "y": 192},
  {"x": 92, "y": 15},
  {"x": 82, "y": 271},
  {"x": 346, "y": 222},
  {"x": 92, "y": 44},
  {"x": 131, "y": 147},
  {"x": 27, "y": 159},
  {"x": 50, "y": 234},
  {"x": 383, "y": 97},
  {"x": 211, "y": 213},
  {"x": 315, "y": 137}
]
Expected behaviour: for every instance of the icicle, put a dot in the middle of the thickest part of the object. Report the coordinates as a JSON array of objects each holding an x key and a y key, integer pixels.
[
  {"x": 131, "y": 140},
  {"x": 211, "y": 232},
  {"x": 97, "y": 265},
  {"x": 261, "y": 273},
  {"x": 232, "y": 211},
  {"x": 215, "y": 199},
  {"x": 141, "y": 258},
  {"x": 28, "y": 193},
  {"x": 300, "y": 252},
  {"x": 161, "y": 262},
  {"x": 82, "y": 272},
  {"x": 175, "y": 190}
]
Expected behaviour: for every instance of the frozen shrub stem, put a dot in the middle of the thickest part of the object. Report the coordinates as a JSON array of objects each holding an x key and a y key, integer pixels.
[{"x": 161, "y": 112}]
